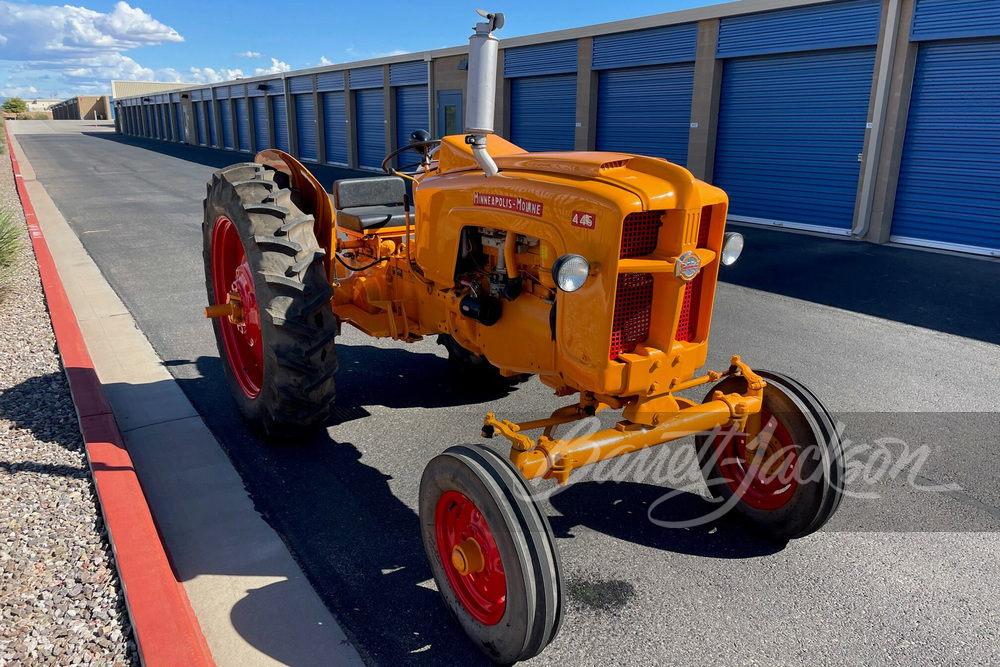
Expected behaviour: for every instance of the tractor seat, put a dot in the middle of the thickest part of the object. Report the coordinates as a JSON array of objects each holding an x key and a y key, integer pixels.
[{"x": 363, "y": 204}]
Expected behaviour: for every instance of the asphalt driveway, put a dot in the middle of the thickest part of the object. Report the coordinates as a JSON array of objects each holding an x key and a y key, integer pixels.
[{"x": 901, "y": 344}]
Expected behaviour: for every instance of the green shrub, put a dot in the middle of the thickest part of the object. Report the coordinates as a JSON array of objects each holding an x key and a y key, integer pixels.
[{"x": 10, "y": 248}]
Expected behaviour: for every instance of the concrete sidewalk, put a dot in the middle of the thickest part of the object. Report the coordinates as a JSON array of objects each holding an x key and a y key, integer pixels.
[{"x": 254, "y": 605}]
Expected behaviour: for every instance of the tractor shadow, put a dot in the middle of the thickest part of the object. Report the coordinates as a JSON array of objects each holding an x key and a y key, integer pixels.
[
  {"x": 368, "y": 375},
  {"x": 360, "y": 548},
  {"x": 357, "y": 542},
  {"x": 621, "y": 510},
  {"x": 402, "y": 378}
]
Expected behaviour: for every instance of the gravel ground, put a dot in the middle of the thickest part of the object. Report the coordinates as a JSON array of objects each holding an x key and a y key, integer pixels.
[{"x": 60, "y": 601}]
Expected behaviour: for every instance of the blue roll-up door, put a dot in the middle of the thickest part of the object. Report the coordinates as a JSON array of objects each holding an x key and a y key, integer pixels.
[
  {"x": 260, "y": 123},
  {"x": 279, "y": 115},
  {"x": 411, "y": 114},
  {"x": 791, "y": 128},
  {"x": 335, "y": 127},
  {"x": 242, "y": 125},
  {"x": 199, "y": 112},
  {"x": 180, "y": 121},
  {"x": 212, "y": 139},
  {"x": 157, "y": 123},
  {"x": 226, "y": 117},
  {"x": 305, "y": 123},
  {"x": 646, "y": 110},
  {"x": 949, "y": 176},
  {"x": 543, "y": 112},
  {"x": 168, "y": 132},
  {"x": 371, "y": 127}
]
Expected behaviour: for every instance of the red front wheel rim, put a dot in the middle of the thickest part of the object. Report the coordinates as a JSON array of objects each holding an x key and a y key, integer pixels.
[
  {"x": 231, "y": 273},
  {"x": 765, "y": 478},
  {"x": 482, "y": 594}
]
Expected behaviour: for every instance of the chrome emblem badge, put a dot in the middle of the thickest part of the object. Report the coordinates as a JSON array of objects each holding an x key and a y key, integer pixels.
[{"x": 687, "y": 266}]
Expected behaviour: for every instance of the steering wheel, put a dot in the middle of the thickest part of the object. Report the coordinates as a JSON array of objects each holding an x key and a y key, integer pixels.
[{"x": 416, "y": 146}]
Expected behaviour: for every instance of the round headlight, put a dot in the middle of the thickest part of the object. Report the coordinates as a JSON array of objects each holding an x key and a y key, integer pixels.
[
  {"x": 570, "y": 272},
  {"x": 732, "y": 248}
]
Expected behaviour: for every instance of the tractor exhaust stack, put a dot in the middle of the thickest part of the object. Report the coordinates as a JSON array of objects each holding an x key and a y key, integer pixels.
[{"x": 483, "y": 48}]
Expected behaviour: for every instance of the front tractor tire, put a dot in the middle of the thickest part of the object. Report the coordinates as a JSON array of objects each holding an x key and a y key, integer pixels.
[
  {"x": 492, "y": 552},
  {"x": 261, "y": 254},
  {"x": 786, "y": 476}
]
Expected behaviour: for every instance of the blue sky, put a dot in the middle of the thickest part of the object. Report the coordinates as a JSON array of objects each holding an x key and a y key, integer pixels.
[{"x": 63, "y": 50}]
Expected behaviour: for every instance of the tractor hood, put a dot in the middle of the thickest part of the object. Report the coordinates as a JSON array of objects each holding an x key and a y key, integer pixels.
[{"x": 657, "y": 183}]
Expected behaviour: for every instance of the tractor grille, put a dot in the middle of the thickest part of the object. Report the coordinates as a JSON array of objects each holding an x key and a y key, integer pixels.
[
  {"x": 639, "y": 234},
  {"x": 705, "y": 227},
  {"x": 687, "y": 326},
  {"x": 633, "y": 307},
  {"x": 634, "y": 292}
]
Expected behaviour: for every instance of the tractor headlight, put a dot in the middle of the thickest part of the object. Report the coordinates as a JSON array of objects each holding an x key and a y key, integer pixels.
[
  {"x": 732, "y": 248},
  {"x": 570, "y": 272}
]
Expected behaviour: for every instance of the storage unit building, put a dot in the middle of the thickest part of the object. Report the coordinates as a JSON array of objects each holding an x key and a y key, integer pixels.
[
  {"x": 279, "y": 120},
  {"x": 199, "y": 114},
  {"x": 178, "y": 117},
  {"x": 369, "y": 102},
  {"x": 409, "y": 88},
  {"x": 645, "y": 85},
  {"x": 241, "y": 109},
  {"x": 305, "y": 117},
  {"x": 213, "y": 139},
  {"x": 793, "y": 113},
  {"x": 948, "y": 192},
  {"x": 225, "y": 116},
  {"x": 258, "y": 102},
  {"x": 875, "y": 119},
  {"x": 542, "y": 80},
  {"x": 331, "y": 88}
]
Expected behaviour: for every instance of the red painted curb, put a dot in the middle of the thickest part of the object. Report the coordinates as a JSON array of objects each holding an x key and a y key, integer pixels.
[{"x": 166, "y": 628}]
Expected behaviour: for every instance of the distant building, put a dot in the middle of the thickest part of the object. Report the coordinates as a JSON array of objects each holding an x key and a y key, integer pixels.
[
  {"x": 83, "y": 107},
  {"x": 121, "y": 89},
  {"x": 40, "y": 105}
]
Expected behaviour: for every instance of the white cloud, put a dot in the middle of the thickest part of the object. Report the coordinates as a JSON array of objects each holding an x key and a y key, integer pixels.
[
  {"x": 24, "y": 92},
  {"x": 276, "y": 67},
  {"x": 209, "y": 75},
  {"x": 323, "y": 60},
  {"x": 78, "y": 50},
  {"x": 37, "y": 32},
  {"x": 366, "y": 55},
  {"x": 249, "y": 54}
]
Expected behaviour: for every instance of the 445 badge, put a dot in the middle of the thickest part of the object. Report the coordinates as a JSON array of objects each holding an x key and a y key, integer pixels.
[{"x": 585, "y": 220}]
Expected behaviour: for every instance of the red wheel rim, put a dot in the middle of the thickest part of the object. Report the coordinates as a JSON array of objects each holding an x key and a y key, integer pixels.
[
  {"x": 231, "y": 273},
  {"x": 765, "y": 479},
  {"x": 483, "y": 594}
]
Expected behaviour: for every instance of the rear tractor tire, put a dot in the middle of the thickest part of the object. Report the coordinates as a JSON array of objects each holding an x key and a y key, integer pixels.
[{"x": 260, "y": 247}]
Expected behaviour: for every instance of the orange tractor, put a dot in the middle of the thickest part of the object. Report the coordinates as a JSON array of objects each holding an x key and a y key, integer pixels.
[{"x": 594, "y": 271}]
